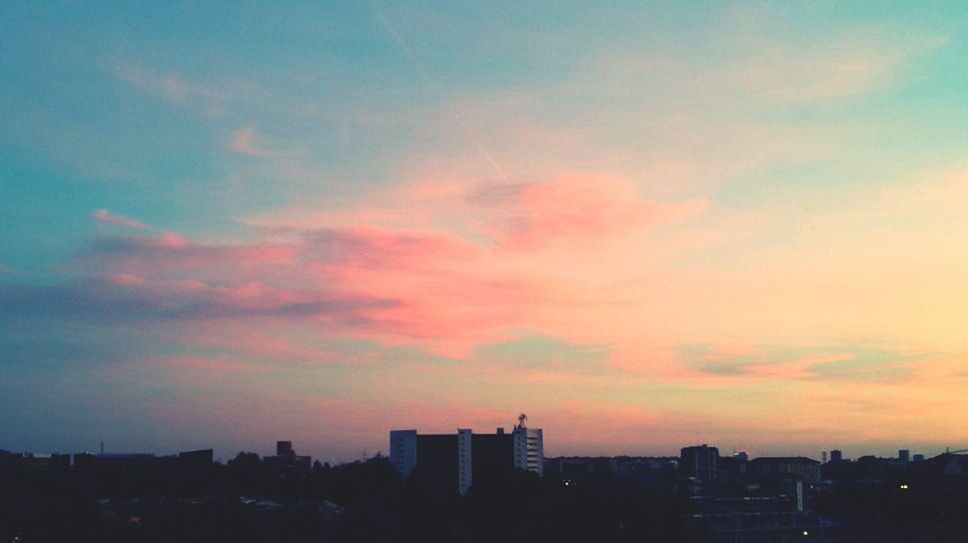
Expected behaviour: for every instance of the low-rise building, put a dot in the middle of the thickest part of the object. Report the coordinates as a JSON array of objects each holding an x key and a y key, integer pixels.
[{"x": 800, "y": 467}]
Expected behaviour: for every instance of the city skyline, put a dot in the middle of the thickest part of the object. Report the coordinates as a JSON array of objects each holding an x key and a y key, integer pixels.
[
  {"x": 644, "y": 225},
  {"x": 401, "y": 452}
]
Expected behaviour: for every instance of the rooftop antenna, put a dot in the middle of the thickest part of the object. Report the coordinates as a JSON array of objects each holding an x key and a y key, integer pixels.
[{"x": 102, "y": 447}]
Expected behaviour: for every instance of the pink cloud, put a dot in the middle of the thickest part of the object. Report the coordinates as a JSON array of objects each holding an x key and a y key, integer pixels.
[
  {"x": 577, "y": 211},
  {"x": 262, "y": 343},
  {"x": 216, "y": 364},
  {"x": 167, "y": 240},
  {"x": 115, "y": 219},
  {"x": 126, "y": 279},
  {"x": 461, "y": 266},
  {"x": 170, "y": 85},
  {"x": 244, "y": 142},
  {"x": 175, "y": 87}
]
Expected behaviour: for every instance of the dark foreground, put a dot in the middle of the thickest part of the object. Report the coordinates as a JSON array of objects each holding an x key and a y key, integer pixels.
[{"x": 247, "y": 500}]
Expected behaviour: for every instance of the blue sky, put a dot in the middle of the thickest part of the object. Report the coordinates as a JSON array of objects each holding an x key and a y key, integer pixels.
[{"x": 690, "y": 219}]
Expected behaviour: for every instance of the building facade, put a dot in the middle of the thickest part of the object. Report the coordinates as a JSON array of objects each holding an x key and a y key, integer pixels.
[
  {"x": 806, "y": 469},
  {"x": 403, "y": 450},
  {"x": 457, "y": 460},
  {"x": 287, "y": 461},
  {"x": 529, "y": 449},
  {"x": 700, "y": 461}
]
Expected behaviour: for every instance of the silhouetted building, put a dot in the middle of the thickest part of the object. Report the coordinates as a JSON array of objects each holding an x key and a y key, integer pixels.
[
  {"x": 918, "y": 458},
  {"x": 949, "y": 464},
  {"x": 904, "y": 455},
  {"x": 437, "y": 458},
  {"x": 799, "y": 467},
  {"x": 493, "y": 455},
  {"x": 465, "y": 460},
  {"x": 575, "y": 469},
  {"x": 767, "y": 513},
  {"x": 287, "y": 461},
  {"x": 199, "y": 459},
  {"x": 731, "y": 467},
  {"x": 700, "y": 462},
  {"x": 645, "y": 470},
  {"x": 34, "y": 462},
  {"x": 836, "y": 455},
  {"x": 459, "y": 459},
  {"x": 134, "y": 466},
  {"x": 403, "y": 450},
  {"x": 115, "y": 463}
]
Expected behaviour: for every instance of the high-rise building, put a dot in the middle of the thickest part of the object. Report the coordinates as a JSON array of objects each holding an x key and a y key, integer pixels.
[
  {"x": 528, "y": 447},
  {"x": 403, "y": 450},
  {"x": 465, "y": 459},
  {"x": 904, "y": 455},
  {"x": 457, "y": 460},
  {"x": 699, "y": 462},
  {"x": 437, "y": 458},
  {"x": 493, "y": 455},
  {"x": 836, "y": 455}
]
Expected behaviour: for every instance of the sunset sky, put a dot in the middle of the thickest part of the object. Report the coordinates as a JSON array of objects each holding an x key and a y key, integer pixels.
[{"x": 644, "y": 225}]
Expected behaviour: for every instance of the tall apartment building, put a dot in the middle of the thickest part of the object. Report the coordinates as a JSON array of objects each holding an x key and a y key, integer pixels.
[
  {"x": 528, "y": 447},
  {"x": 403, "y": 450},
  {"x": 700, "y": 462},
  {"x": 457, "y": 460}
]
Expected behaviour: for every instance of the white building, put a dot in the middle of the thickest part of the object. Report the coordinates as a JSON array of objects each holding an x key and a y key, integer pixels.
[
  {"x": 528, "y": 447},
  {"x": 465, "y": 460},
  {"x": 403, "y": 450}
]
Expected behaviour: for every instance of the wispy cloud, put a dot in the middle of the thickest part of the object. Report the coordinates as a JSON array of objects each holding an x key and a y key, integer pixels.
[
  {"x": 244, "y": 142},
  {"x": 174, "y": 87},
  {"x": 116, "y": 219},
  {"x": 841, "y": 67},
  {"x": 847, "y": 363}
]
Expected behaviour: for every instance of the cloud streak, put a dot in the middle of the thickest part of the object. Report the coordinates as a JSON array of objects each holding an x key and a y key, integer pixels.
[{"x": 106, "y": 217}]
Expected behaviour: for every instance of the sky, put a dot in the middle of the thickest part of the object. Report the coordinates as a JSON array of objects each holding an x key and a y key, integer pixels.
[{"x": 646, "y": 225}]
